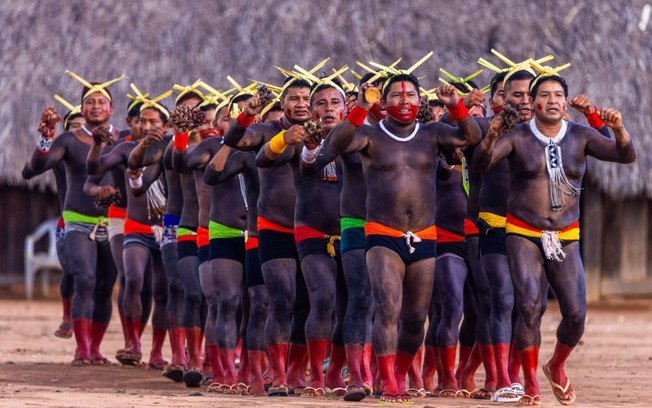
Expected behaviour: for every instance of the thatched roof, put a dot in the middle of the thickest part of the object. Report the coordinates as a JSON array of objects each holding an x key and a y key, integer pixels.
[{"x": 158, "y": 43}]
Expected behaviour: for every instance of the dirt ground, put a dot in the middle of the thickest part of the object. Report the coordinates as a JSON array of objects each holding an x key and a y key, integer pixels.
[{"x": 611, "y": 367}]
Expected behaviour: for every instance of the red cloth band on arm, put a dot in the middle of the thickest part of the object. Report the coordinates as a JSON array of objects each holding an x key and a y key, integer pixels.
[
  {"x": 357, "y": 115},
  {"x": 458, "y": 112},
  {"x": 244, "y": 121},
  {"x": 594, "y": 119},
  {"x": 181, "y": 141}
]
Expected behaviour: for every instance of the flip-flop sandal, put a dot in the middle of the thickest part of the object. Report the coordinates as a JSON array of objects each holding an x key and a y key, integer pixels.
[
  {"x": 312, "y": 392},
  {"x": 505, "y": 395},
  {"x": 417, "y": 392},
  {"x": 395, "y": 397},
  {"x": 192, "y": 378},
  {"x": 482, "y": 394},
  {"x": 296, "y": 390},
  {"x": 100, "y": 361},
  {"x": 355, "y": 393},
  {"x": 242, "y": 388},
  {"x": 80, "y": 362},
  {"x": 131, "y": 358},
  {"x": 157, "y": 365},
  {"x": 64, "y": 331},
  {"x": 338, "y": 391},
  {"x": 565, "y": 395},
  {"x": 214, "y": 387},
  {"x": 406, "y": 399},
  {"x": 447, "y": 393},
  {"x": 530, "y": 400},
  {"x": 278, "y": 391},
  {"x": 174, "y": 373},
  {"x": 463, "y": 394}
]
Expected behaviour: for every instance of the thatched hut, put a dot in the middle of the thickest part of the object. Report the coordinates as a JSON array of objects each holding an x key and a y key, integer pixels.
[{"x": 158, "y": 43}]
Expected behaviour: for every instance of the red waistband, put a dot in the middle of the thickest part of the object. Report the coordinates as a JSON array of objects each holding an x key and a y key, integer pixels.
[
  {"x": 252, "y": 243},
  {"x": 470, "y": 228},
  {"x": 202, "y": 237},
  {"x": 444, "y": 235},
  {"x": 375, "y": 228},
  {"x": 265, "y": 224},
  {"x": 116, "y": 212},
  {"x": 522, "y": 224},
  {"x": 135, "y": 227},
  {"x": 302, "y": 232}
]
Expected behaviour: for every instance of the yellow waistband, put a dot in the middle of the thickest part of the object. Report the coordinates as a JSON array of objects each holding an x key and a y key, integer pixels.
[
  {"x": 494, "y": 220},
  {"x": 572, "y": 234}
]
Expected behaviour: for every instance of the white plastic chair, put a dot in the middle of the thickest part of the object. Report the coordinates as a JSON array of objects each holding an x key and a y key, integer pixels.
[{"x": 42, "y": 261}]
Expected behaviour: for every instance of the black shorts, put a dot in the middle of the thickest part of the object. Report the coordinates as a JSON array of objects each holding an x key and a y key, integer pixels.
[
  {"x": 253, "y": 273},
  {"x": 455, "y": 248},
  {"x": 427, "y": 248},
  {"x": 143, "y": 240},
  {"x": 493, "y": 241},
  {"x": 276, "y": 245},
  {"x": 203, "y": 254},
  {"x": 316, "y": 246},
  {"x": 228, "y": 248},
  {"x": 186, "y": 248},
  {"x": 353, "y": 238}
]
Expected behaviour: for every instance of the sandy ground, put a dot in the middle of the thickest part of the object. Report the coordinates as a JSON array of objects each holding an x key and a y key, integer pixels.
[{"x": 611, "y": 367}]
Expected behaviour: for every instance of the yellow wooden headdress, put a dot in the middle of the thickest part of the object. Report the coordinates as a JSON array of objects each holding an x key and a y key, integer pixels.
[
  {"x": 546, "y": 71},
  {"x": 136, "y": 99},
  {"x": 382, "y": 73},
  {"x": 214, "y": 97},
  {"x": 72, "y": 109},
  {"x": 250, "y": 89},
  {"x": 183, "y": 90},
  {"x": 513, "y": 67},
  {"x": 296, "y": 75},
  {"x": 154, "y": 102},
  {"x": 317, "y": 82},
  {"x": 462, "y": 80},
  {"x": 101, "y": 88},
  {"x": 349, "y": 87},
  {"x": 392, "y": 70}
]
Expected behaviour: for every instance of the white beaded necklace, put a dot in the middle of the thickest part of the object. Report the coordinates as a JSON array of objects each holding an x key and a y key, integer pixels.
[
  {"x": 559, "y": 183},
  {"x": 399, "y": 139}
]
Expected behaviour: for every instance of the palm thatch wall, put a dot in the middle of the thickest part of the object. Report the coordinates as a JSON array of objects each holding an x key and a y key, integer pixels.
[{"x": 158, "y": 43}]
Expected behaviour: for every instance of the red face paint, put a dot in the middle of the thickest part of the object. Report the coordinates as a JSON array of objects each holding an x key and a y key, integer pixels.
[
  {"x": 316, "y": 116},
  {"x": 497, "y": 109},
  {"x": 288, "y": 112},
  {"x": 539, "y": 107},
  {"x": 341, "y": 115},
  {"x": 377, "y": 111},
  {"x": 395, "y": 112}
]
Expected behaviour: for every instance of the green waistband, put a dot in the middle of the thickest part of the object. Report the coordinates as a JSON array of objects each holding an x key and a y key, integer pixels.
[
  {"x": 349, "y": 222},
  {"x": 185, "y": 231},
  {"x": 72, "y": 216},
  {"x": 217, "y": 230}
]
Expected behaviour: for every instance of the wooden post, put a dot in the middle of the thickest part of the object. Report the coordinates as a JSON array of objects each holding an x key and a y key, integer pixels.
[
  {"x": 633, "y": 224},
  {"x": 592, "y": 215}
]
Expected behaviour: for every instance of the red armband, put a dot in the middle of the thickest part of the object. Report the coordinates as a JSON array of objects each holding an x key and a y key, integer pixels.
[
  {"x": 594, "y": 119},
  {"x": 181, "y": 141},
  {"x": 357, "y": 115},
  {"x": 244, "y": 120},
  {"x": 458, "y": 112}
]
